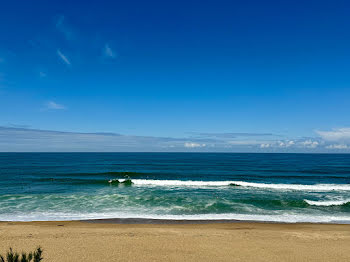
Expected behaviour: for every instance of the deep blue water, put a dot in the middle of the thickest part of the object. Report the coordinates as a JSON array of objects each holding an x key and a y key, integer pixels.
[{"x": 268, "y": 187}]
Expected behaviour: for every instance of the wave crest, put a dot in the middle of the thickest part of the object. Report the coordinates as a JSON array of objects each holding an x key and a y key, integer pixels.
[
  {"x": 181, "y": 183},
  {"x": 328, "y": 203}
]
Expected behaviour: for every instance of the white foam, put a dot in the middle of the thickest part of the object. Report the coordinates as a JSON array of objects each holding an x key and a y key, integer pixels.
[
  {"x": 327, "y": 203},
  {"x": 176, "y": 183},
  {"x": 283, "y": 218}
]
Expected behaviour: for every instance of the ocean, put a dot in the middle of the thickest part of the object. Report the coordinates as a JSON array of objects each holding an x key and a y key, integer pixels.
[{"x": 176, "y": 186}]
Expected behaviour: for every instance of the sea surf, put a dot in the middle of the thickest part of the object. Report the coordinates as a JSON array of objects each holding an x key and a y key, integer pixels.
[{"x": 175, "y": 186}]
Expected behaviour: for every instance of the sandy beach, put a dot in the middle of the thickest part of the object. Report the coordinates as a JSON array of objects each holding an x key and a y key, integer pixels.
[{"x": 86, "y": 241}]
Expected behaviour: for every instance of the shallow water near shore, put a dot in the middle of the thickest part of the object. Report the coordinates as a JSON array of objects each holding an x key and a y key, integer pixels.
[{"x": 179, "y": 186}]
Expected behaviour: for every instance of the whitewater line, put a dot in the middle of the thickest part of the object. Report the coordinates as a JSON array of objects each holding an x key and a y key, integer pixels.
[{"x": 191, "y": 183}]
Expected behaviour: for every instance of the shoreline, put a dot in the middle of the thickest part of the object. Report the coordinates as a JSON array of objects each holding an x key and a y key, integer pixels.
[
  {"x": 190, "y": 221},
  {"x": 161, "y": 221}
]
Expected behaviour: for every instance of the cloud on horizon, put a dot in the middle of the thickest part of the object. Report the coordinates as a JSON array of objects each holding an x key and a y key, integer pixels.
[
  {"x": 336, "y": 135},
  {"x": 231, "y": 135},
  {"x": 338, "y": 146},
  {"x": 193, "y": 145},
  {"x": 17, "y": 139},
  {"x": 36, "y": 140}
]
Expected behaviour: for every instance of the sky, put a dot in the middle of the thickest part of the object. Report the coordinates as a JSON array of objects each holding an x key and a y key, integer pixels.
[{"x": 182, "y": 76}]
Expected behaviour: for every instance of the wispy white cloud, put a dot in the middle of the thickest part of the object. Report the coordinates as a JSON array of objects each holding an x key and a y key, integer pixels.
[
  {"x": 336, "y": 134},
  {"x": 245, "y": 142},
  {"x": 63, "y": 57},
  {"x": 18, "y": 126},
  {"x": 108, "y": 51},
  {"x": 53, "y": 105},
  {"x": 232, "y": 135},
  {"x": 26, "y": 139},
  {"x": 193, "y": 145},
  {"x": 63, "y": 27}
]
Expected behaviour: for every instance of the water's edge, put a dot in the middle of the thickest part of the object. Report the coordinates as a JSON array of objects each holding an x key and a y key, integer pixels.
[
  {"x": 148, "y": 221},
  {"x": 189, "y": 221}
]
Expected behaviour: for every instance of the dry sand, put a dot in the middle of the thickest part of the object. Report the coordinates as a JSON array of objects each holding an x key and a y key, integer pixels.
[{"x": 81, "y": 241}]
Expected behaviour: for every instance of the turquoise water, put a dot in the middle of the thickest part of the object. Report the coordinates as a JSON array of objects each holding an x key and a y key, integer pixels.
[{"x": 264, "y": 187}]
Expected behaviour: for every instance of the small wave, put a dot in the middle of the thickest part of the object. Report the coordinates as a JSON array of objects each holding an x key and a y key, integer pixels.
[
  {"x": 179, "y": 183},
  {"x": 327, "y": 203}
]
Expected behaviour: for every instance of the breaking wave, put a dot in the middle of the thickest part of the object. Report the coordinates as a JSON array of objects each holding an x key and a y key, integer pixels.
[
  {"x": 327, "y": 203},
  {"x": 174, "y": 183}
]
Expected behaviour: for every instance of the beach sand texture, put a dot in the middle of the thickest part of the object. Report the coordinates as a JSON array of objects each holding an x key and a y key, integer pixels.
[{"x": 82, "y": 241}]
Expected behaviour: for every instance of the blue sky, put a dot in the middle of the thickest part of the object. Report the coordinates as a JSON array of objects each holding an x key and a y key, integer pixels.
[{"x": 246, "y": 76}]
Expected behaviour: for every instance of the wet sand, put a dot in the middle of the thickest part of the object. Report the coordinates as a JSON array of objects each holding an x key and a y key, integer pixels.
[{"x": 130, "y": 241}]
